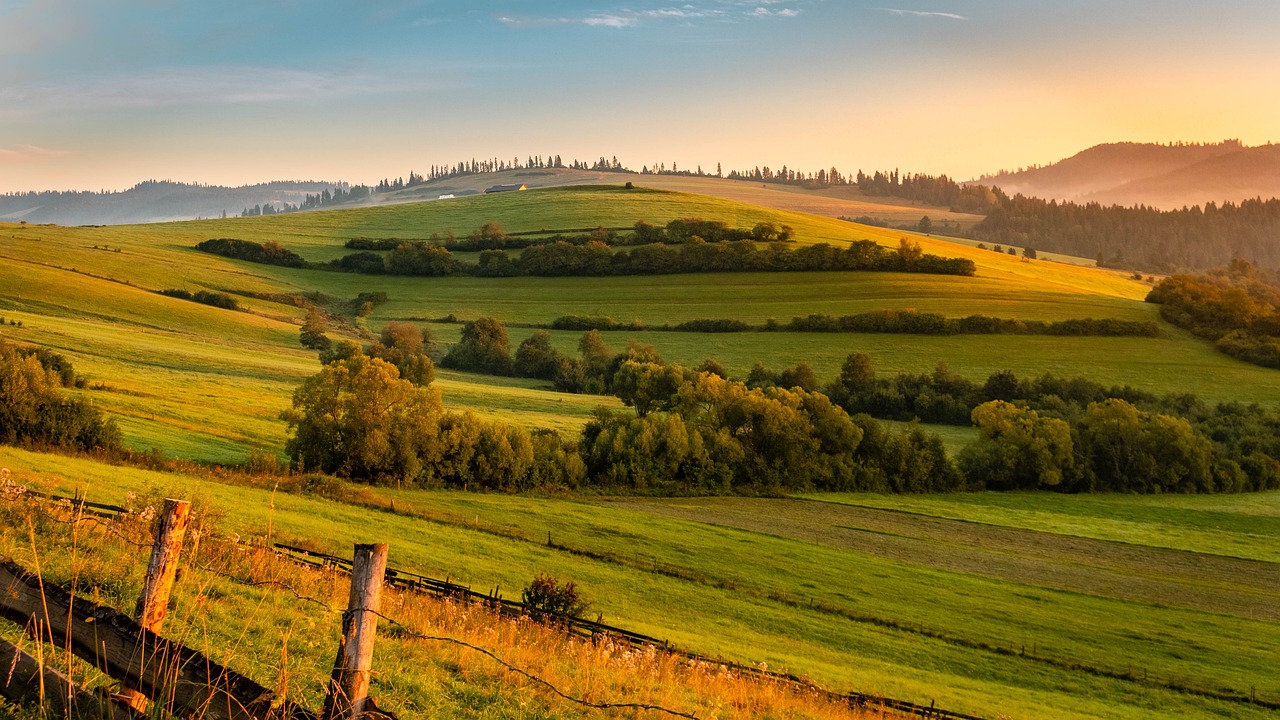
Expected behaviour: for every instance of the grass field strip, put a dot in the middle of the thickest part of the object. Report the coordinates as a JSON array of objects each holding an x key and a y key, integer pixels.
[{"x": 414, "y": 582}]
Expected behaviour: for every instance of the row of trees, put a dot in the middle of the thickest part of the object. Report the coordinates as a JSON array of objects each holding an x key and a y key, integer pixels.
[
  {"x": 595, "y": 258},
  {"x": 267, "y": 253},
  {"x": 1140, "y": 237},
  {"x": 698, "y": 431},
  {"x": 692, "y": 432}
]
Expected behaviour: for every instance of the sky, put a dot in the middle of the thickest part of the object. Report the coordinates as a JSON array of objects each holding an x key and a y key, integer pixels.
[{"x": 102, "y": 94}]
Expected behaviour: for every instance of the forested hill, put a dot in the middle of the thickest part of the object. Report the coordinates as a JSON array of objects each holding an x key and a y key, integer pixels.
[
  {"x": 154, "y": 201},
  {"x": 1162, "y": 176},
  {"x": 1140, "y": 238}
]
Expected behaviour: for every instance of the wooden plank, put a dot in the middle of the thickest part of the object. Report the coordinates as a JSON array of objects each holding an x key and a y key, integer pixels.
[
  {"x": 184, "y": 682},
  {"x": 25, "y": 680}
]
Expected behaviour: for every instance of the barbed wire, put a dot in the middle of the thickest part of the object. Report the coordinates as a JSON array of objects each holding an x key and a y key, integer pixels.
[
  {"x": 410, "y": 632},
  {"x": 521, "y": 671}
]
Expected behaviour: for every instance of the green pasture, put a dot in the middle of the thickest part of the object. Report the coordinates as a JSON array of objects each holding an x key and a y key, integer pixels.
[
  {"x": 773, "y": 581},
  {"x": 209, "y": 384},
  {"x": 1242, "y": 526}
]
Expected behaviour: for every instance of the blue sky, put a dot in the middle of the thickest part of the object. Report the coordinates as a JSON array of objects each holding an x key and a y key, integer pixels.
[{"x": 102, "y": 94}]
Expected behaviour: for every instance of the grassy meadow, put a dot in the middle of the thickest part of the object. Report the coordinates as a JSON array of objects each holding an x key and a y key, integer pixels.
[
  {"x": 1017, "y": 605},
  {"x": 928, "y": 609}
]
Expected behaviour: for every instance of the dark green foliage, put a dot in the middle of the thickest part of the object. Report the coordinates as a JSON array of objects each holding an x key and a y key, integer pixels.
[
  {"x": 713, "y": 366},
  {"x": 595, "y": 258},
  {"x": 362, "y": 243},
  {"x": 340, "y": 351},
  {"x": 918, "y": 323},
  {"x": 484, "y": 347},
  {"x": 218, "y": 300},
  {"x": 34, "y": 411},
  {"x": 707, "y": 435},
  {"x": 495, "y": 263},
  {"x": 312, "y": 333},
  {"x": 368, "y": 263},
  {"x": 536, "y": 358},
  {"x": 548, "y": 598},
  {"x": 421, "y": 259},
  {"x": 590, "y": 322},
  {"x": 708, "y": 325},
  {"x": 1074, "y": 435},
  {"x": 1140, "y": 237},
  {"x": 268, "y": 253}
]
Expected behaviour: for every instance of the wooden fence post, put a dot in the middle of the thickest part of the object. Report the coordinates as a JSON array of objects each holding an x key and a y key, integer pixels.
[
  {"x": 349, "y": 684},
  {"x": 154, "y": 602}
]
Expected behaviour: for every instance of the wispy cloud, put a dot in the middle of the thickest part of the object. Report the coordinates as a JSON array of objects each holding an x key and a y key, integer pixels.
[
  {"x": 29, "y": 153},
  {"x": 922, "y": 13},
  {"x": 629, "y": 17},
  {"x": 766, "y": 12},
  {"x": 210, "y": 85}
]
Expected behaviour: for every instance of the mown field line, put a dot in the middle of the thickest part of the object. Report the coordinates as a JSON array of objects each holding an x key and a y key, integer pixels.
[
  {"x": 981, "y": 523},
  {"x": 664, "y": 570}
]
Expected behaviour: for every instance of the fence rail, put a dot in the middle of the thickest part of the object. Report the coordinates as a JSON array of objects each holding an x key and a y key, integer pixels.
[{"x": 415, "y": 582}]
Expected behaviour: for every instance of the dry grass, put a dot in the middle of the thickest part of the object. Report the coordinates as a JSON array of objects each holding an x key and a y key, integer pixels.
[{"x": 278, "y": 623}]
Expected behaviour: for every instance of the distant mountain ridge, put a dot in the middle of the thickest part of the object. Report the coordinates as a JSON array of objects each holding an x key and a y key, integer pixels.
[
  {"x": 154, "y": 201},
  {"x": 1160, "y": 176}
]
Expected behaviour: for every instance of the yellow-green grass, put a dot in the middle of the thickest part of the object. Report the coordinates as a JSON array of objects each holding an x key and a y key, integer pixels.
[
  {"x": 278, "y": 623},
  {"x": 547, "y": 209},
  {"x": 746, "y": 592},
  {"x": 209, "y": 384},
  {"x": 1243, "y": 526},
  {"x": 833, "y": 202},
  {"x": 1178, "y": 363}
]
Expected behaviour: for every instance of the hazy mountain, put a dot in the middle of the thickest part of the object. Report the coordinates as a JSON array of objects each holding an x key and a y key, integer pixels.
[
  {"x": 1163, "y": 176},
  {"x": 153, "y": 201}
]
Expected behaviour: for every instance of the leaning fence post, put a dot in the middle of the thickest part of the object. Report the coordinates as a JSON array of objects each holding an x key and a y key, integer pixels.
[
  {"x": 349, "y": 684},
  {"x": 153, "y": 604}
]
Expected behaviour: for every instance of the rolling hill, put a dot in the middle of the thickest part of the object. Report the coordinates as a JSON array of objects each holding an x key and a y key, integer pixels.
[
  {"x": 857, "y": 592},
  {"x": 1162, "y": 176}
]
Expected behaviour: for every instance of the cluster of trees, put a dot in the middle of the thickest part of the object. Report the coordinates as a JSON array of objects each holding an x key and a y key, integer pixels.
[
  {"x": 34, "y": 411},
  {"x": 913, "y": 322},
  {"x": 1076, "y": 435},
  {"x": 336, "y": 196},
  {"x": 595, "y": 258},
  {"x": 698, "y": 431},
  {"x": 491, "y": 236},
  {"x": 204, "y": 297},
  {"x": 1111, "y": 447},
  {"x": 1238, "y": 307},
  {"x": 691, "y": 432},
  {"x": 882, "y": 321},
  {"x": 930, "y": 190},
  {"x": 267, "y": 253},
  {"x": 358, "y": 418},
  {"x": 1140, "y": 237},
  {"x": 763, "y": 248}
]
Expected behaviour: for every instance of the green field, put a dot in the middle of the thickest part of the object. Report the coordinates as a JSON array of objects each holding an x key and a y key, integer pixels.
[
  {"x": 209, "y": 384},
  {"x": 919, "y": 606},
  {"x": 919, "y": 597}
]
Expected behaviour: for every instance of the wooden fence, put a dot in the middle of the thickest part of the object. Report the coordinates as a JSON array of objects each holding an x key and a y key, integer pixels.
[{"x": 415, "y": 582}]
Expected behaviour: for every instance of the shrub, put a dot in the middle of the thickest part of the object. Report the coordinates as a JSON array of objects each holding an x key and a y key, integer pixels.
[{"x": 547, "y": 597}]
